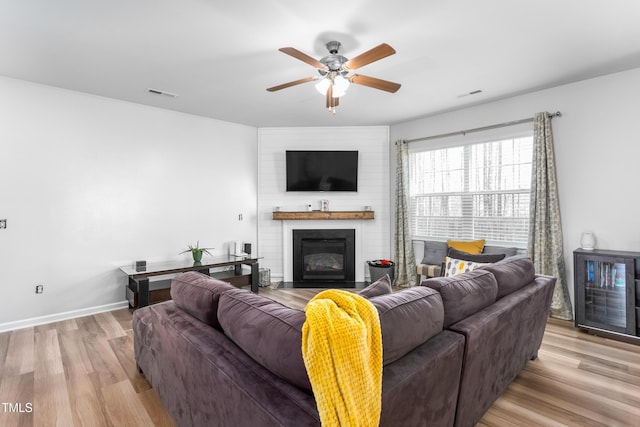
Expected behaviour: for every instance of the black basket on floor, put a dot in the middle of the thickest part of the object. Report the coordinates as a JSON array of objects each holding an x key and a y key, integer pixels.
[{"x": 378, "y": 269}]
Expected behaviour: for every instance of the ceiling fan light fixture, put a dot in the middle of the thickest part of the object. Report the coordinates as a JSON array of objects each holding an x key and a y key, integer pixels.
[
  {"x": 340, "y": 86},
  {"x": 322, "y": 86}
]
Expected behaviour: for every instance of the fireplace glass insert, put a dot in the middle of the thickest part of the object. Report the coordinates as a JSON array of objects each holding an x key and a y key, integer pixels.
[{"x": 324, "y": 255}]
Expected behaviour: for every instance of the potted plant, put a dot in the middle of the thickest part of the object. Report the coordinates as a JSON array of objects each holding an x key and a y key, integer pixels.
[{"x": 196, "y": 251}]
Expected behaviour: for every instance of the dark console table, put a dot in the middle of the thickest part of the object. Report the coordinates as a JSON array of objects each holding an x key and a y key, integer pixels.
[{"x": 150, "y": 285}]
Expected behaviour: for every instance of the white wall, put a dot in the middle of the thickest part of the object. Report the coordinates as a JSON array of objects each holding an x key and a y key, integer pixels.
[
  {"x": 597, "y": 152},
  {"x": 88, "y": 184},
  {"x": 373, "y": 189}
]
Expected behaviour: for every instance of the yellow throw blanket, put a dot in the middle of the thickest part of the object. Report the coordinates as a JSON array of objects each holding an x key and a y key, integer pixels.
[{"x": 342, "y": 351}]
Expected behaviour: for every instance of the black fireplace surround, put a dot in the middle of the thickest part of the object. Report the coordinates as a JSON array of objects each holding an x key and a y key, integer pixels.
[{"x": 324, "y": 256}]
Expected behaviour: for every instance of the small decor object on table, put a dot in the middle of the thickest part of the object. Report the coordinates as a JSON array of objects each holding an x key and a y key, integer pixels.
[
  {"x": 588, "y": 241},
  {"x": 196, "y": 251},
  {"x": 379, "y": 267}
]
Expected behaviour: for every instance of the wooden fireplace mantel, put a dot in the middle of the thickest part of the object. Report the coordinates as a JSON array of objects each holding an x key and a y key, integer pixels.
[{"x": 314, "y": 215}]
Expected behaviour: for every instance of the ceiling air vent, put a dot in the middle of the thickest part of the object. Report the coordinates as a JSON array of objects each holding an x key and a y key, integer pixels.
[
  {"x": 160, "y": 92},
  {"x": 474, "y": 92}
]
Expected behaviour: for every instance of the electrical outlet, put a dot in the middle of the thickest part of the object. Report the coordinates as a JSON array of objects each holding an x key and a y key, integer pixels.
[
  {"x": 3, "y": 223},
  {"x": 39, "y": 289}
]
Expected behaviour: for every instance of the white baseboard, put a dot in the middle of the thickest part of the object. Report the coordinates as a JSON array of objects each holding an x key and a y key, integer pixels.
[{"x": 43, "y": 320}]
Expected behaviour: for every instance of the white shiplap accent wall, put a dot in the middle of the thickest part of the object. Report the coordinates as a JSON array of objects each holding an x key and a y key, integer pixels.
[{"x": 372, "y": 144}]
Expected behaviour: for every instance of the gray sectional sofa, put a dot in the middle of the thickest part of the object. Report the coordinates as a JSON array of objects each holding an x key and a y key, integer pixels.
[{"x": 221, "y": 356}]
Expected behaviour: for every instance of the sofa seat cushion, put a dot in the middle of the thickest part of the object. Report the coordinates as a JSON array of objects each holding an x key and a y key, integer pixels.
[
  {"x": 512, "y": 273},
  {"x": 268, "y": 331},
  {"x": 381, "y": 286},
  {"x": 408, "y": 318},
  {"x": 198, "y": 295},
  {"x": 465, "y": 294}
]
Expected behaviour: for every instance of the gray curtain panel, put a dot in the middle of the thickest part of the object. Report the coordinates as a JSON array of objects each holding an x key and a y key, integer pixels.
[
  {"x": 403, "y": 248},
  {"x": 545, "y": 231}
]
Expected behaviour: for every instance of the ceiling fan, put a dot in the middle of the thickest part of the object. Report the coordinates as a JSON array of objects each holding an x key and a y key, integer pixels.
[{"x": 336, "y": 72}]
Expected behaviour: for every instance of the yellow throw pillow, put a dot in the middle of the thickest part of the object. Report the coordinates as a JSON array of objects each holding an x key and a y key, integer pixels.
[{"x": 470, "y": 247}]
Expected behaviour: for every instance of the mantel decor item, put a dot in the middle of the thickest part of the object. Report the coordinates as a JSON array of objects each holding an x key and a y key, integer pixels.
[
  {"x": 587, "y": 241},
  {"x": 379, "y": 267},
  {"x": 196, "y": 251}
]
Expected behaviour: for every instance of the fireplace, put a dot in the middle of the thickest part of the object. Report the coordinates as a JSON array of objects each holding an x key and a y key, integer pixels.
[{"x": 321, "y": 255}]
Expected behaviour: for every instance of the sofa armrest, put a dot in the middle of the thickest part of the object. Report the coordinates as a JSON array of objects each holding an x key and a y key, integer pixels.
[
  {"x": 421, "y": 388},
  {"x": 499, "y": 341},
  {"x": 203, "y": 378}
]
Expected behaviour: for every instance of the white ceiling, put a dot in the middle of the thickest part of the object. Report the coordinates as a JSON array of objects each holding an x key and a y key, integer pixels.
[{"x": 220, "y": 56}]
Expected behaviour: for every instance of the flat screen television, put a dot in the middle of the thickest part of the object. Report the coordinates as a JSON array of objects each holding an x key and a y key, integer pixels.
[{"x": 322, "y": 170}]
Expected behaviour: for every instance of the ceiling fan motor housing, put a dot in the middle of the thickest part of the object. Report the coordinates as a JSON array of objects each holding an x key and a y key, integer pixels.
[
  {"x": 333, "y": 62},
  {"x": 333, "y": 47}
]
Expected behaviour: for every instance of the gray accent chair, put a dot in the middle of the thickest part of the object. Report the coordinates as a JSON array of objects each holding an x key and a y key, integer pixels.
[{"x": 435, "y": 252}]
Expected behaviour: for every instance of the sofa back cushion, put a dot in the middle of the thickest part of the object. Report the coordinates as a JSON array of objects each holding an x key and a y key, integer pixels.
[
  {"x": 491, "y": 250},
  {"x": 479, "y": 258},
  {"x": 271, "y": 333},
  {"x": 381, "y": 286},
  {"x": 465, "y": 294},
  {"x": 470, "y": 246},
  {"x": 434, "y": 252},
  {"x": 512, "y": 273},
  {"x": 408, "y": 318},
  {"x": 268, "y": 331},
  {"x": 198, "y": 295}
]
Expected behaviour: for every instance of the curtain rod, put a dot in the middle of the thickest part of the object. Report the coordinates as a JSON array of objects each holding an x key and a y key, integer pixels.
[{"x": 464, "y": 132}]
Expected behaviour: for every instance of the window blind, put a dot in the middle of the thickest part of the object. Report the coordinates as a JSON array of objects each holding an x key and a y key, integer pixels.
[{"x": 472, "y": 191}]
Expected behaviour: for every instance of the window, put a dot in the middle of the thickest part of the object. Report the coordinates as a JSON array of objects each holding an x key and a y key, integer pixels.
[{"x": 473, "y": 191}]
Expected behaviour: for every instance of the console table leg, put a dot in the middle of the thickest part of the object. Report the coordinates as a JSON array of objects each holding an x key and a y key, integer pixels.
[
  {"x": 143, "y": 292},
  {"x": 255, "y": 278}
]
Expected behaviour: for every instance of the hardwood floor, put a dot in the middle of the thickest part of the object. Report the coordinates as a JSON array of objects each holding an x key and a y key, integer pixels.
[
  {"x": 82, "y": 372},
  {"x": 77, "y": 372}
]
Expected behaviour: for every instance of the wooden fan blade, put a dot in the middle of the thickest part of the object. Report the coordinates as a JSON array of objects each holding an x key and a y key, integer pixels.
[
  {"x": 374, "y": 83},
  {"x": 291, "y": 51},
  {"x": 294, "y": 83},
  {"x": 372, "y": 55}
]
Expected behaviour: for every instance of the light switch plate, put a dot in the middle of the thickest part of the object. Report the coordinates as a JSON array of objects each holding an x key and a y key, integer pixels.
[{"x": 3, "y": 223}]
